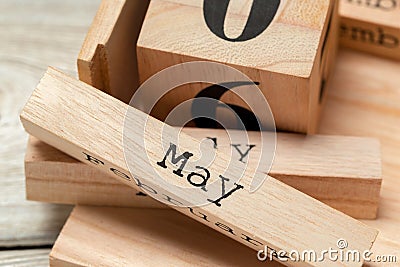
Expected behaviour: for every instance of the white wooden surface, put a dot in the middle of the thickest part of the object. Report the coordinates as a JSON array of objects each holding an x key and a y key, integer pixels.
[
  {"x": 33, "y": 35},
  {"x": 25, "y": 258}
]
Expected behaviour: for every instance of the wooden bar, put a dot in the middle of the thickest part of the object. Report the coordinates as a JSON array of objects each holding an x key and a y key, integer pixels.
[
  {"x": 99, "y": 236},
  {"x": 275, "y": 215},
  {"x": 343, "y": 172}
]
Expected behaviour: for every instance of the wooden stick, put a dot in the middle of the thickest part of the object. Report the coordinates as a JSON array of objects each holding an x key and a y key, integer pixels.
[
  {"x": 88, "y": 124},
  {"x": 98, "y": 236},
  {"x": 343, "y": 172}
]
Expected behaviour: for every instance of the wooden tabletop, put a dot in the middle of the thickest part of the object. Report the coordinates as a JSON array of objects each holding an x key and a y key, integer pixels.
[{"x": 364, "y": 100}]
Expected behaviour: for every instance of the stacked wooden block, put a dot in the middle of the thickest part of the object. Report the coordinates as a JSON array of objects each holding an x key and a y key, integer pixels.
[
  {"x": 371, "y": 26},
  {"x": 290, "y": 55}
]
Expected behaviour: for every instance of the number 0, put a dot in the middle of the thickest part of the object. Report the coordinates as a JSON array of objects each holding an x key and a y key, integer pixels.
[{"x": 261, "y": 15}]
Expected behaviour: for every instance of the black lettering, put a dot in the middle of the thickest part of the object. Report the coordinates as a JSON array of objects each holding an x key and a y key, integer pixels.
[
  {"x": 217, "y": 201},
  {"x": 243, "y": 155},
  {"x": 363, "y": 35},
  {"x": 225, "y": 227},
  {"x": 261, "y": 15},
  {"x": 206, "y": 117},
  {"x": 214, "y": 141},
  {"x": 93, "y": 159},
  {"x": 202, "y": 215},
  {"x": 144, "y": 186},
  {"x": 120, "y": 174},
  {"x": 141, "y": 194},
  {"x": 344, "y": 30},
  {"x": 249, "y": 239},
  {"x": 387, "y": 40},
  {"x": 184, "y": 158},
  {"x": 223, "y": 179},
  {"x": 375, "y": 37},
  {"x": 171, "y": 200},
  {"x": 203, "y": 178},
  {"x": 386, "y": 5}
]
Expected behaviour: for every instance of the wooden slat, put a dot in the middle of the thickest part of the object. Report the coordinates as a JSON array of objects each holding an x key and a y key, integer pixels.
[
  {"x": 365, "y": 101},
  {"x": 105, "y": 237},
  {"x": 144, "y": 238},
  {"x": 343, "y": 172},
  {"x": 58, "y": 113}
]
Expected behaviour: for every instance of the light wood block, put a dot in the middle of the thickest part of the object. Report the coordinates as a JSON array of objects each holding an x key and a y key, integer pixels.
[
  {"x": 98, "y": 236},
  {"x": 372, "y": 101},
  {"x": 101, "y": 62},
  {"x": 291, "y": 59},
  {"x": 144, "y": 238},
  {"x": 343, "y": 172},
  {"x": 371, "y": 26},
  {"x": 275, "y": 215},
  {"x": 365, "y": 102}
]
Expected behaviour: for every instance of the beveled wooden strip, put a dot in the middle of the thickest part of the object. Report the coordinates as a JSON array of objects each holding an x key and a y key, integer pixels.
[
  {"x": 78, "y": 119},
  {"x": 343, "y": 172},
  {"x": 99, "y": 236}
]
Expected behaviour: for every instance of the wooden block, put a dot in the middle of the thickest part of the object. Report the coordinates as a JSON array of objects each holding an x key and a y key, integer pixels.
[
  {"x": 343, "y": 172},
  {"x": 365, "y": 102},
  {"x": 107, "y": 59},
  {"x": 144, "y": 238},
  {"x": 103, "y": 237},
  {"x": 52, "y": 176},
  {"x": 371, "y": 26},
  {"x": 77, "y": 119},
  {"x": 289, "y": 50}
]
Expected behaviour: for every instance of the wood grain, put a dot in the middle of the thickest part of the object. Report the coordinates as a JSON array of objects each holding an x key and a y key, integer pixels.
[
  {"x": 160, "y": 238},
  {"x": 343, "y": 172},
  {"x": 25, "y": 258},
  {"x": 57, "y": 112},
  {"x": 286, "y": 59},
  {"x": 371, "y": 26},
  {"x": 115, "y": 28},
  {"x": 365, "y": 102},
  {"x": 33, "y": 35}
]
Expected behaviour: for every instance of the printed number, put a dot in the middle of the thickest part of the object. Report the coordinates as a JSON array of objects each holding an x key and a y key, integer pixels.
[
  {"x": 261, "y": 15},
  {"x": 205, "y": 117}
]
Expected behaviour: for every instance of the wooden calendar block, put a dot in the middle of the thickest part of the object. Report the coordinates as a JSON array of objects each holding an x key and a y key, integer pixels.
[
  {"x": 94, "y": 236},
  {"x": 371, "y": 26},
  {"x": 275, "y": 215},
  {"x": 107, "y": 59},
  {"x": 288, "y": 47},
  {"x": 343, "y": 172}
]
